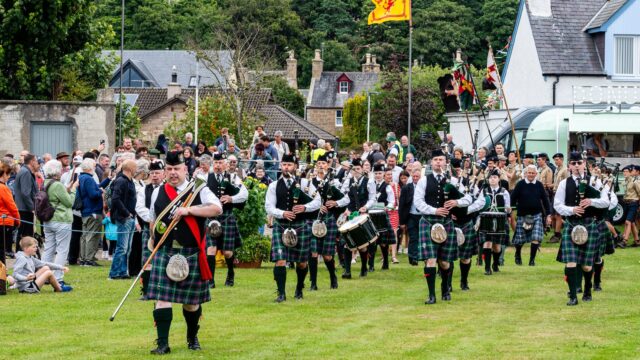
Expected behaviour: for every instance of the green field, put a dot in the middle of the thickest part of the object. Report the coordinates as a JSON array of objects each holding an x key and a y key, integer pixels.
[{"x": 519, "y": 313}]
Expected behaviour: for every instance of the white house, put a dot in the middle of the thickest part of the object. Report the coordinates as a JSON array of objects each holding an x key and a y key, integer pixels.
[{"x": 565, "y": 51}]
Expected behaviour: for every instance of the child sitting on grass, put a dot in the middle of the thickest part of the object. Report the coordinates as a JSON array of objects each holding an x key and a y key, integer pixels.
[{"x": 31, "y": 273}]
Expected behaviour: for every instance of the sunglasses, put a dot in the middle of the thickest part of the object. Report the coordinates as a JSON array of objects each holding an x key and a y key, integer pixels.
[{"x": 575, "y": 162}]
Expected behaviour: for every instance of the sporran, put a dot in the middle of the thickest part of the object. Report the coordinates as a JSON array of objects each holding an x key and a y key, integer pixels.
[
  {"x": 290, "y": 238},
  {"x": 438, "y": 233},
  {"x": 319, "y": 228},
  {"x": 579, "y": 235},
  {"x": 177, "y": 268}
]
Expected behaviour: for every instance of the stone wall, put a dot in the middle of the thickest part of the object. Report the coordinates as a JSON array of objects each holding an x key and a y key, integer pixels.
[
  {"x": 90, "y": 123},
  {"x": 154, "y": 124},
  {"x": 324, "y": 118}
]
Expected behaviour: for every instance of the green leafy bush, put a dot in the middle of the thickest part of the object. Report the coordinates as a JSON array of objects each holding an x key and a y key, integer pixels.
[
  {"x": 254, "y": 214},
  {"x": 255, "y": 247}
]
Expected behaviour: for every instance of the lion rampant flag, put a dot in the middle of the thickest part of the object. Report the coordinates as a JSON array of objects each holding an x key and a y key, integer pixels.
[{"x": 390, "y": 10}]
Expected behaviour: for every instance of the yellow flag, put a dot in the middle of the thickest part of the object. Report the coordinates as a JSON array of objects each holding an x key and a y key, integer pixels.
[{"x": 390, "y": 10}]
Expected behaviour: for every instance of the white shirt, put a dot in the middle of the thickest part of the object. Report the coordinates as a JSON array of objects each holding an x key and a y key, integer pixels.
[
  {"x": 372, "y": 187},
  {"x": 477, "y": 204},
  {"x": 142, "y": 211},
  {"x": 396, "y": 174},
  {"x": 206, "y": 198},
  {"x": 345, "y": 199},
  {"x": 421, "y": 204},
  {"x": 505, "y": 195},
  {"x": 241, "y": 196},
  {"x": 272, "y": 198},
  {"x": 564, "y": 210}
]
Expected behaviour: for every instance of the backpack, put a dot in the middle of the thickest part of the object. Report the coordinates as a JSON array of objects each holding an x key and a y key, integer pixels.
[
  {"x": 77, "y": 201},
  {"x": 44, "y": 209},
  {"x": 108, "y": 195}
]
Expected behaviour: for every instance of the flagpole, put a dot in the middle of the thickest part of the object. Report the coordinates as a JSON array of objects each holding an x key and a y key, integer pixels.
[
  {"x": 410, "y": 70},
  {"x": 506, "y": 106}
]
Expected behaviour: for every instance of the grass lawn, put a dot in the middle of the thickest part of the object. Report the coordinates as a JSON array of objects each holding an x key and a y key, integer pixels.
[{"x": 519, "y": 313}]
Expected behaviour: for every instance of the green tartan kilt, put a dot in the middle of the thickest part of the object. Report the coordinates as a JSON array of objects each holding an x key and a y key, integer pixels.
[
  {"x": 580, "y": 254},
  {"x": 387, "y": 238},
  {"x": 427, "y": 249},
  {"x": 145, "y": 239},
  {"x": 604, "y": 233},
  {"x": 299, "y": 253},
  {"x": 192, "y": 290},
  {"x": 230, "y": 239},
  {"x": 470, "y": 246},
  {"x": 325, "y": 245}
]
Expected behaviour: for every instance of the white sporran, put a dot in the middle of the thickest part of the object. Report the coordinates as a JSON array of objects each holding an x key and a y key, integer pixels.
[
  {"x": 438, "y": 233},
  {"x": 528, "y": 222},
  {"x": 319, "y": 228},
  {"x": 579, "y": 235},
  {"x": 177, "y": 268},
  {"x": 342, "y": 219},
  {"x": 460, "y": 236},
  {"x": 290, "y": 238},
  {"x": 215, "y": 229}
]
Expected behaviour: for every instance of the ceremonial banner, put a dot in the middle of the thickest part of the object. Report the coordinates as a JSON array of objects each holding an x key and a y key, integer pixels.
[
  {"x": 390, "y": 10},
  {"x": 492, "y": 70}
]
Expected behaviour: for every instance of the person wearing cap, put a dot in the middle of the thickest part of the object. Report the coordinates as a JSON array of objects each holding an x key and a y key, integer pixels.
[
  {"x": 283, "y": 202},
  {"x": 527, "y": 160},
  {"x": 531, "y": 201},
  {"x": 186, "y": 239},
  {"x": 143, "y": 212},
  {"x": 393, "y": 146},
  {"x": 464, "y": 219},
  {"x": 493, "y": 244},
  {"x": 334, "y": 203},
  {"x": 233, "y": 195},
  {"x": 576, "y": 210},
  {"x": 630, "y": 200},
  {"x": 356, "y": 186},
  {"x": 380, "y": 193},
  {"x": 430, "y": 200},
  {"x": 560, "y": 174},
  {"x": 64, "y": 159}
]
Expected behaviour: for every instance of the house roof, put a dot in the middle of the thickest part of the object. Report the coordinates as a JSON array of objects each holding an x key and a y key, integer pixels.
[
  {"x": 605, "y": 13},
  {"x": 280, "y": 119},
  {"x": 156, "y": 65},
  {"x": 325, "y": 90},
  {"x": 563, "y": 47}
]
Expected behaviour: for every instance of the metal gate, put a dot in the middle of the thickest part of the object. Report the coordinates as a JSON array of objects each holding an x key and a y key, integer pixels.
[{"x": 51, "y": 137}]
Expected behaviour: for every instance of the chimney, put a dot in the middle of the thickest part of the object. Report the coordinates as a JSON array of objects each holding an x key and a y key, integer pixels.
[
  {"x": 106, "y": 95},
  {"x": 292, "y": 70},
  {"x": 316, "y": 65},
  {"x": 366, "y": 67},
  {"x": 375, "y": 67},
  {"x": 173, "y": 88}
]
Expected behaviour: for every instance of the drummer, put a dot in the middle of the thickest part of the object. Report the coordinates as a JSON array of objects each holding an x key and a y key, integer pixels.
[
  {"x": 436, "y": 235},
  {"x": 465, "y": 220},
  {"x": 356, "y": 188},
  {"x": 492, "y": 243},
  {"x": 380, "y": 195}
]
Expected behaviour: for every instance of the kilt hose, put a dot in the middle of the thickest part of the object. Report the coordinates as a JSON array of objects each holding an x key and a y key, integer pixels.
[
  {"x": 470, "y": 246},
  {"x": 427, "y": 249},
  {"x": 230, "y": 238},
  {"x": 192, "y": 290},
  {"x": 581, "y": 254},
  {"x": 522, "y": 236},
  {"x": 325, "y": 245},
  {"x": 298, "y": 253}
]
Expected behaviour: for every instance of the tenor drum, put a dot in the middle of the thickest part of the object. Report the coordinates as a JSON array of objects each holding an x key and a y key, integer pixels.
[
  {"x": 493, "y": 223},
  {"x": 359, "y": 232},
  {"x": 380, "y": 220}
]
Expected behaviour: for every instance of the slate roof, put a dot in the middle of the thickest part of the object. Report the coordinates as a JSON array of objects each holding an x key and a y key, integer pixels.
[
  {"x": 605, "y": 13},
  {"x": 563, "y": 47},
  {"x": 156, "y": 65},
  {"x": 325, "y": 90},
  {"x": 280, "y": 119}
]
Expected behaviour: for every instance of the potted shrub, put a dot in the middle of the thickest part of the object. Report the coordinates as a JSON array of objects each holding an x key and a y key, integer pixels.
[{"x": 255, "y": 248}]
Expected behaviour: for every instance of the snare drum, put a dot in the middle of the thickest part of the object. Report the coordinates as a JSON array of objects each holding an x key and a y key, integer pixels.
[
  {"x": 493, "y": 223},
  {"x": 359, "y": 232},
  {"x": 380, "y": 219}
]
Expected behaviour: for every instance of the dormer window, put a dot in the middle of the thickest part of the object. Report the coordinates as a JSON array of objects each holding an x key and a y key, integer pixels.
[{"x": 344, "y": 87}]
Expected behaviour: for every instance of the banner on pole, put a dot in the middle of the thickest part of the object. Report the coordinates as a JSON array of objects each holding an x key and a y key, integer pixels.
[{"x": 390, "y": 10}]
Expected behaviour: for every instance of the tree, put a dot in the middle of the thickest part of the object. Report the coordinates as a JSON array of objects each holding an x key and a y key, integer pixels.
[
  {"x": 354, "y": 118},
  {"x": 496, "y": 23},
  {"x": 130, "y": 121},
  {"x": 41, "y": 40},
  {"x": 284, "y": 95}
]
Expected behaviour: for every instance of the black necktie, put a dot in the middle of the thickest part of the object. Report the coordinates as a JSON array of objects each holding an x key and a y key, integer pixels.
[
  {"x": 288, "y": 183},
  {"x": 439, "y": 177}
]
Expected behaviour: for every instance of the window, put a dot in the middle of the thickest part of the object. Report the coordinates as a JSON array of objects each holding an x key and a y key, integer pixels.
[
  {"x": 192, "y": 82},
  {"x": 338, "y": 117},
  {"x": 627, "y": 55},
  {"x": 344, "y": 87}
]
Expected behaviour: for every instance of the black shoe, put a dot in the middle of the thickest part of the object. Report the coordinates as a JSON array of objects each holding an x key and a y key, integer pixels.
[
  {"x": 518, "y": 260},
  {"x": 532, "y": 263},
  {"x": 464, "y": 286},
  {"x": 82, "y": 263},
  {"x": 212, "y": 285},
  {"x": 229, "y": 281},
  {"x": 162, "y": 349},
  {"x": 413, "y": 262},
  {"x": 579, "y": 290},
  {"x": 334, "y": 282},
  {"x": 346, "y": 275},
  {"x": 91, "y": 263},
  {"x": 193, "y": 344},
  {"x": 313, "y": 287},
  {"x": 385, "y": 266},
  {"x": 554, "y": 240},
  {"x": 298, "y": 294},
  {"x": 597, "y": 287},
  {"x": 430, "y": 300},
  {"x": 501, "y": 262},
  {"x": 488, "y": 272},
  {"x": 363, "y": 273},
  {"x": 281, "y": 298},
  {"x": 446, "y": 297},
  {"x": 586, "y": 297},
  {"x": 371, "y": 269},
  {"x": 495, "y": 267},
  {"x": 572, "y": 302}
]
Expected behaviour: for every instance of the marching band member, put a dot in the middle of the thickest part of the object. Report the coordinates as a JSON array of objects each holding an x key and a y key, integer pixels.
[
  {"x": 333, "y": 204},
  {"x": 560, "y": 174},
  {"x": 437, "y": 236},
  {"x": 578, "y": 247},
  {"x": 232, "y": 194},
  {"x": 284, "y": 201},
  {"x": 380, "y": 193},
  {"x": 492, "y": 243}
]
